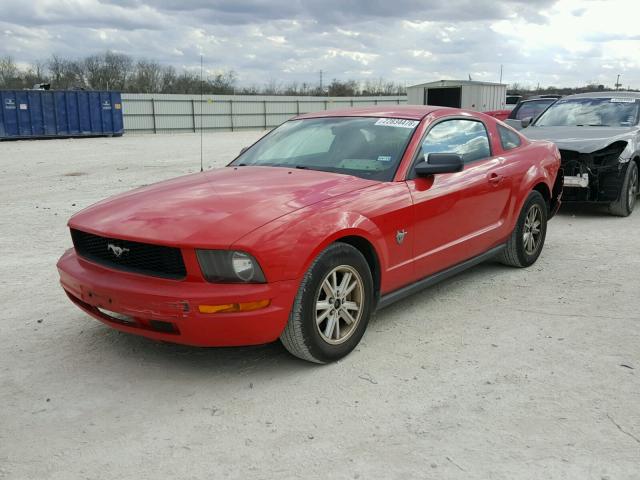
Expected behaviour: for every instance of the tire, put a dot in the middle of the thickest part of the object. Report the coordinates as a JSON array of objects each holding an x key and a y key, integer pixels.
[
  {"x": 519, "y": 252},
  {"x": 628, "y": 192},
  {"x": 322, "y": 342}
]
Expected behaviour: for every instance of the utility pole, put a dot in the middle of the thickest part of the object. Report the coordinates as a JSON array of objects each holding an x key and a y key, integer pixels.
[
  {"x": 201, "y": 100},
  {"x": 320, "y": 82},
  {"x": 618, "y": 84},
  {"x": 500, "y": 73}
]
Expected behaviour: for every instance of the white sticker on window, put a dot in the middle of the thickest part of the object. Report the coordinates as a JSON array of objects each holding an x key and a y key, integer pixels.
[
  {"x": 397, "y": 122},
  {"x": 23, "y": 106},
  {"x": 623, "y": 100},
  {"x": 384, "y": 158}
]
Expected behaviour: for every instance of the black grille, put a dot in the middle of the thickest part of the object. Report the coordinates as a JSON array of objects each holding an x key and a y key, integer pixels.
[{"x": 145, "y": 258}]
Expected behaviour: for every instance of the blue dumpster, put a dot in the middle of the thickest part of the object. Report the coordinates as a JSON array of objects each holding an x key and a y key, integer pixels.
[{"x": 49, "y": 113}]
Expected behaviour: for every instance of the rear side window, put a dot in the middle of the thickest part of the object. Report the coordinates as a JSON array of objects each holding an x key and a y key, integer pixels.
[
  {"x": 467, "y": 138},
  {"x": 531, "y": 109},
  {"x": 508, "y": 138}
]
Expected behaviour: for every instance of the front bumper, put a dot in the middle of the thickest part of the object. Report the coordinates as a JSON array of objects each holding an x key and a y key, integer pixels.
[{"x": 167, "y": 310}]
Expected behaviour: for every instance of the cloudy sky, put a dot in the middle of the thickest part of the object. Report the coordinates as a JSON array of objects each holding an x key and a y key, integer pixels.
[{"x": 561, "y": 43}]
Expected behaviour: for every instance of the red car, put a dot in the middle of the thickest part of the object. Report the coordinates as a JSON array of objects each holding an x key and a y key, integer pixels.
[
  {"x": 306, "y": 233},
  {"x": 501, "y": 115}
]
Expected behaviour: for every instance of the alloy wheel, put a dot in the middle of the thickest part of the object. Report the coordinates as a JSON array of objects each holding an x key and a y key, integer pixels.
[
  {"x": 532, "y": 232},
  {"x": 339, "y": 304}
]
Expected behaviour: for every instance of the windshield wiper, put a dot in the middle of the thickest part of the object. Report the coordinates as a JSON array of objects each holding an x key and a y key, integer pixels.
[{"x": 593, "y": 125}]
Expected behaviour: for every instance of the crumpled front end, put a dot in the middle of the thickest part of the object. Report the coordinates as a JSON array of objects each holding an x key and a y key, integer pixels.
[{"x": 595, "y": 176}]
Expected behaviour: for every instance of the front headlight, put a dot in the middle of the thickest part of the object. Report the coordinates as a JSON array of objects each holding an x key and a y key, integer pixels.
[{"x": 229, "y": 266}]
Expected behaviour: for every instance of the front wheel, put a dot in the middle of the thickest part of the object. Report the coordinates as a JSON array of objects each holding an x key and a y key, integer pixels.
[
  {"x": 628, "y": 192},
  {"x": 332, "y": 308},
  {"x": 527, "y": 239}
]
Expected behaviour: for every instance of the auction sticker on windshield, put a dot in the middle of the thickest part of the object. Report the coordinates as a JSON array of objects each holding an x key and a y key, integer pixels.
[
  {"x": 397, "y": 122},
  {"x": 623, "y": 100}
]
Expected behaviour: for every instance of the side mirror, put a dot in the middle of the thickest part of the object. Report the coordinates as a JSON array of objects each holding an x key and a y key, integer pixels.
[
  {"x": 525, "y": 122},
  {"x": 244, "y": 149},
  {"x": 439, "y": 163}
]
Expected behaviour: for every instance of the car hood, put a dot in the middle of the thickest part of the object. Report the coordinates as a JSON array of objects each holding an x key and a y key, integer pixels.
[
  {"x": 211, "y": 209},
  {"x": 580, "y": 139}
]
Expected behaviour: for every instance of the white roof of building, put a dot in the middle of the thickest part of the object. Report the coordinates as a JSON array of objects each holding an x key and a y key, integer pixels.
[{"x": 455, "y": 83}]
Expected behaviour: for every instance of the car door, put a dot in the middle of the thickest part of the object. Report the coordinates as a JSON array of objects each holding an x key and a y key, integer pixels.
[{"x": 458, "y": 215}]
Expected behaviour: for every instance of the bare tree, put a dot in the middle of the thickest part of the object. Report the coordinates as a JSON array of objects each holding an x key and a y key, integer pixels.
[
  {"x": 516, "y": 89},
  {"x": 347, "y": 88},
  {"x": 148, "y": 77},
  {"x": 168, "y": 79},
  {"x": 272, "y": 87},
  {"x": 118, "y": 67},
  {"x": 66, "y": 74},
  {"x": 9, "y": 74},
  {"x": 222, "y": 83},
  {"x": 107, "y": 71}
]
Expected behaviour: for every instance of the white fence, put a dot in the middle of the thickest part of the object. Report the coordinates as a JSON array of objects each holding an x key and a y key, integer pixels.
[{"x": 160, "y": 113}]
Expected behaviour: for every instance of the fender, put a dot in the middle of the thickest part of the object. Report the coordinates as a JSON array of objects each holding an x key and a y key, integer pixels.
[
  {"x": 545, "y": 172},
  {"x": 289, "y": 246},
  {"x": 365, "y": 229}
]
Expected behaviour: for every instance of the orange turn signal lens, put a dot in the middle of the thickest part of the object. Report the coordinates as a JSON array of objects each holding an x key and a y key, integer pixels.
[{"x": 234, "y": 307}]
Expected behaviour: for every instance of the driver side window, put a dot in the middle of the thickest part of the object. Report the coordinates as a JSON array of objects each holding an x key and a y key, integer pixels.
[{"x": 467, "y": 138}]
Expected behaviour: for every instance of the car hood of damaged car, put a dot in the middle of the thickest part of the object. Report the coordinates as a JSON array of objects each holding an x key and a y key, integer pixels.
[{"x": 582, "y": 139}]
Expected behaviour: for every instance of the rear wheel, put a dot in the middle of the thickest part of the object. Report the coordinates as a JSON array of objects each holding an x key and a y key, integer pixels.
[
  {"x": 332, "y": 308},
  {"x": 628, "y": 192},
  {"x": 527, "y": 239}
]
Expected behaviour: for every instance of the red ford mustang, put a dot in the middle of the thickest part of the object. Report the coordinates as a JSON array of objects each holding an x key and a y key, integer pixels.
[{"x": 306, "y": 233}]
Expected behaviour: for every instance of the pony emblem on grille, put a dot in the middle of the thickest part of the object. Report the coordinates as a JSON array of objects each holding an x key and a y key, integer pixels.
[{"x": 116, "y": 250}]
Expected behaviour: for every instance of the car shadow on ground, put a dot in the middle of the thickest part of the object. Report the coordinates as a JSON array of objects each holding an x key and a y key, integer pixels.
[
  {"x": 162, "y": 356},
  {"x": 452, "y": 286},
  {"x": 586, "y": 210}
]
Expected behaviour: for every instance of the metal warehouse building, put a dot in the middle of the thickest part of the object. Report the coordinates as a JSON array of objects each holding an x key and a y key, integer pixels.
[{"x": 468, "y": 94}]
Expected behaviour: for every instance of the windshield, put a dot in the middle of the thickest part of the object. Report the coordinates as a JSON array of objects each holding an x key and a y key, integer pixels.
[
  {"x": 591, "y": 112},
  {"x": 361, "y": 146}
]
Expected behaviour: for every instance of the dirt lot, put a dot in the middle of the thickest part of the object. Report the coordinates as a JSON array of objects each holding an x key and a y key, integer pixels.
[{"x": 495, "y": 374}]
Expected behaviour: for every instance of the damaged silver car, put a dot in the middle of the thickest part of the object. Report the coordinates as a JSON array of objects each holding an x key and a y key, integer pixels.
[{"x": 598, "y": 136}]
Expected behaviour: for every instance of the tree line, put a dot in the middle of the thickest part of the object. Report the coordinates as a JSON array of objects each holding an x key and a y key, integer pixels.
[
  {"x": 117, "y": 71},
  {"x": 122, "y": 72},
  {"x": 528, "y": 91}
]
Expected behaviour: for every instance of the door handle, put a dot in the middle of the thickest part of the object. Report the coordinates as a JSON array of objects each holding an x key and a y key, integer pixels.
[{"x": 495, "y": 178}]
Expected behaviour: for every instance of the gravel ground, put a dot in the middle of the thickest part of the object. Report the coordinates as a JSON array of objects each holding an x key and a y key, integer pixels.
[{"x": 497, "y": 373}]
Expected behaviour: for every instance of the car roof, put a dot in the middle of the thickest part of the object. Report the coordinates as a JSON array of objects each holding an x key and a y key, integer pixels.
[
  {"x": 410, "y": 112},
  {"x": 539, "y": 99},
  {"x": 608, "y": 94}
]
